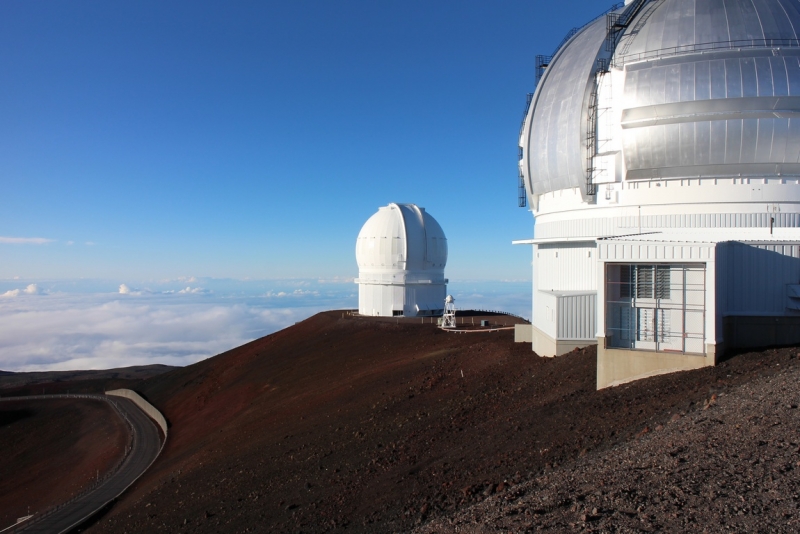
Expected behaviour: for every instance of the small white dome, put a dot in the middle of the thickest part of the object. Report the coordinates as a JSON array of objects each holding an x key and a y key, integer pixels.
[
  {"x": 401, "y": 253},
  {"x": 402, "y": 237}
]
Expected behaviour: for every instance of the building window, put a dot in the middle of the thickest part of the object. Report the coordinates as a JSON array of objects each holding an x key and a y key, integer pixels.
[
  {"x": 656, "y": 307},
  {"x": 644, "y": 281}
]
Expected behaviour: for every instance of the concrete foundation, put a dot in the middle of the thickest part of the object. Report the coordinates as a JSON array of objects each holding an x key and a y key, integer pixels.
[
  {"x": 523, "y": 333},
  {"x": 618, "y": 366},
  {"x": 544, "y": 345}
]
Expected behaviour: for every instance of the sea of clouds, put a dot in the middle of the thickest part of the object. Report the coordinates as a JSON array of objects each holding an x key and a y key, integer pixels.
[{"x": 91, "y": 324}]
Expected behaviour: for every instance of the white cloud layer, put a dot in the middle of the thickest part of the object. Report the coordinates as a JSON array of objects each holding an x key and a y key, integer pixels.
[
  {"x": 63, "y": 331},
  {"x": 49, "y": 329},
  {"x": 25, "y": 240},
  {"x": 30, "y": 289},
  {"x": 194, "y": 291}
]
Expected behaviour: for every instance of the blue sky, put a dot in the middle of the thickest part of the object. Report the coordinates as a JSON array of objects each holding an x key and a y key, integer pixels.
[{"x": 147, "y": 141}]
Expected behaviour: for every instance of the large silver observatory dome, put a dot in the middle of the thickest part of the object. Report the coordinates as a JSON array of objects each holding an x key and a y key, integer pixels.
[
  {"x": 710, "y": 88},
  {"x": 660, "y": 154}
]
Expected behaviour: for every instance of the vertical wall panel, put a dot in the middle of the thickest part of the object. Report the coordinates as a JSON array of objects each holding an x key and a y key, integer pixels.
[
  {"x": 577, "y": 316},
  {"x": 756, "y": 277},
  {"x": 567, "y": 267}
]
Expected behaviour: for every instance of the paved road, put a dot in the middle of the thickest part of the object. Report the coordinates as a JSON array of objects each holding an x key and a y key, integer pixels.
[{"x": 145, "y": 447}]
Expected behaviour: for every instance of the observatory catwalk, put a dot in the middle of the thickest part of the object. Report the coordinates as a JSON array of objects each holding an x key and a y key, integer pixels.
[{"x": 660, "y": 157}]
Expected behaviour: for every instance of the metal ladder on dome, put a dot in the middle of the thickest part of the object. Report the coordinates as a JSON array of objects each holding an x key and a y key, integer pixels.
[
  {"x": 542, "y": 62},
  {"x": 616, "y": 23}
]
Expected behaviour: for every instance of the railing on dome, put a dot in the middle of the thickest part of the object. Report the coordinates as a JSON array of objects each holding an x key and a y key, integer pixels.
[
  {"x": 591, "y": 130},
  {"x": 703, "y": 47},
  {"x": 522, "y": 195},
  {"x": 542, "y": 62},
  {"x": 616, "y": 23}
]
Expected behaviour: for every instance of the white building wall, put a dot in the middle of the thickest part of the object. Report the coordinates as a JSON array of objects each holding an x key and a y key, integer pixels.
[
  {"x": 545, "y": 305},
  {"x": 424, "y": 299},
  {"x": 566, "y": 266},
  {"x": 379, "y": 300},
  {"x": 755, "y": 278},
  {"x": 710, "y": 203},
  {"x": 565, "y": 283},
  {"x": 383, "y": 300}
]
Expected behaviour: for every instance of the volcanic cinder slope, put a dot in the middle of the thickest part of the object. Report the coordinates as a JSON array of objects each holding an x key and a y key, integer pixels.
[
  {"x": 731, "y": 464},
  {"x": 52, "y": 450},
  {"x": 373, "y": 426},
  {"x": 90, "y": 381}
]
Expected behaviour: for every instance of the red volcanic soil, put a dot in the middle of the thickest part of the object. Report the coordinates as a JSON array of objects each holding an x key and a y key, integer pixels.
[
  {"x": 50, "y": 382},
  {"x": 730, "y": 464},
  {"x": 52, "y": 449},
  {"x": 349, "y": 423}
]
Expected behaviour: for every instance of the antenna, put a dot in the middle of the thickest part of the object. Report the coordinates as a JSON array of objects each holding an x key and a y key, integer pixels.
[{"x": 449, "y": 317}]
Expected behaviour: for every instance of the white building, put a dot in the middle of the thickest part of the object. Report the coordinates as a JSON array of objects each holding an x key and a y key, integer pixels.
[
  {"x": 660, "y": 156},
  {"x": 401, "y": 253}
]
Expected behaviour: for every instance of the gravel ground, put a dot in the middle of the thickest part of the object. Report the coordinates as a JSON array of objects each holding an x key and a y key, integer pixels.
[
  {"x": 343, "y": 424},
  {"x": 731, "y": 463},
  {"x": 50, "y": 450}
]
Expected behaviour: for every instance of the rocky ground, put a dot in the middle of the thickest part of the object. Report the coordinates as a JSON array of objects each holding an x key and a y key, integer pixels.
[
  {"x": 731, "y": 463},
  {"x": 342, "y": 423},
  {"x": 48, "y": 382},
  {"x": 53, "y": 449}
]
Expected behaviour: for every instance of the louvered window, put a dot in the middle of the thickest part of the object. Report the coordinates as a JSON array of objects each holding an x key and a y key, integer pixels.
[{"x": 656, "y": 307}]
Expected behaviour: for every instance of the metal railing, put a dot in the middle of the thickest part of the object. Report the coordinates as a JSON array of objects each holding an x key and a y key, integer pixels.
[
  {"x": 705, "y": 47},
  {"x": 616, "y": 23},
  {"x": 97, "y": 482},
  {"x": 499, "y": 312},
  {"x": 542, "y": 61}
]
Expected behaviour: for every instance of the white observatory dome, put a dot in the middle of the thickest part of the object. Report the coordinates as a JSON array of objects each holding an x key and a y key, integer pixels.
[
  {"x": 660, "y": 155},
  {"x": 401, "y": 237},
  {"x": 682, "y": 90},
  {"x": 401, "y": 253}
]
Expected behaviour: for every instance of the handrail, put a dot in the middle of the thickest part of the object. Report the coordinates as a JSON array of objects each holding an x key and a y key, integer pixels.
[
  {"x": 502, "y": 313},
  {"x": 543, "y": 61},
  {"x": 481, "y": 331},
  {"x": 704, "y": 47}
]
